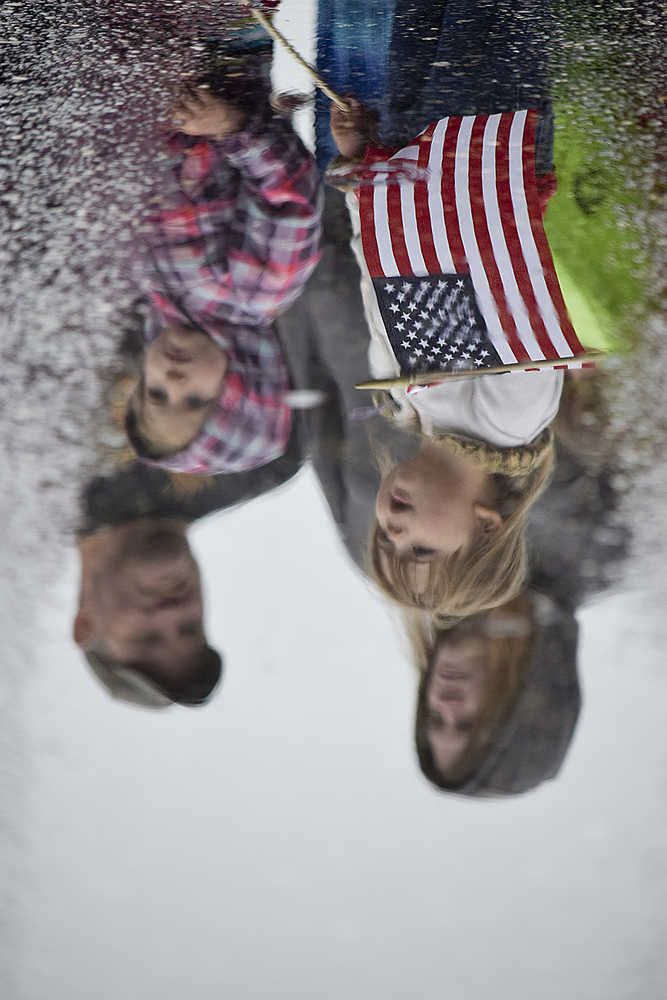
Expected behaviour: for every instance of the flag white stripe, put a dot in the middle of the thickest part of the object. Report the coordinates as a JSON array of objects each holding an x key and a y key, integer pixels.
[
  {"x": 500, "y": 252},
  {"x": 381, "y": 216},
  {"x": 528, "y": 248},
  {"x": 559, "y": 363},
  {"x": 409, "y": 153},
  {"x": 435, "y": 208},
  {"x": 477, "y": 273},
  {"x": 410, "y": 230}
]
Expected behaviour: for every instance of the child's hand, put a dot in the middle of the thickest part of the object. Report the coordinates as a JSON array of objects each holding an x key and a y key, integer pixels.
[
  {"x": 352, "y": 130},
  {"x": 199, "y": 112}
]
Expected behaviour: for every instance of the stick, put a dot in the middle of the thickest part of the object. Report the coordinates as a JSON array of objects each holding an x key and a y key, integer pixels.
[
  {"x": 426, "y": 378},
  {"x": 261, "y": 17}
]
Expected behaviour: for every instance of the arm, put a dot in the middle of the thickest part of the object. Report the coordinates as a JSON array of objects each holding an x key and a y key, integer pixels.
[
  {"x": 279, "y": 206},
  {"x": 272, "y": 243},
  {"x": 355, "y": 135},
  {"x": 139, "y": 490},
  {"x": 382, "y": 362}
]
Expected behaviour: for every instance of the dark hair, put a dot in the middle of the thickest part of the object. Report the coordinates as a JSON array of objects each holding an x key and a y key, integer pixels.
[
  {"x": 135, "y": 682},
  {"x": 239, "y": 76}
]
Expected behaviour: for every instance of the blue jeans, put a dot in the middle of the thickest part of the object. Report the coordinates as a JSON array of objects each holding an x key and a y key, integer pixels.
[
  {"x": 352, "y": 47},
  {"x": 457, "y": 57}
]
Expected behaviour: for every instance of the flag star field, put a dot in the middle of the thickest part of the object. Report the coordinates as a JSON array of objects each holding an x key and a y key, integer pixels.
[{"x": 433, "y": 323}]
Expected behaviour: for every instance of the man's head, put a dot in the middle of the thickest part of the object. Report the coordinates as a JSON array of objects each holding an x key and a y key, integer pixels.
[
  {"x": 496, "y": 716},
  {"x": 470, "y": 682},
  {"x": 182, "y": 376},
  {"x": 141, "y": 613}
]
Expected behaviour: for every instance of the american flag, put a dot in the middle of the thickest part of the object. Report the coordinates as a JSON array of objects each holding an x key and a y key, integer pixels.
[{"x": 458, "y": 256}]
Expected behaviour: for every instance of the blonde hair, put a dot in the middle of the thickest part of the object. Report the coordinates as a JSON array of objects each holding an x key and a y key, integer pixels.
[
  {"x": 507, "y": 657},
  {"x": 492, "y": 569}
]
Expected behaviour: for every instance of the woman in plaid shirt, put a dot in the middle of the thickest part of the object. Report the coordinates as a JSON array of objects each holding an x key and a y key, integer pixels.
[{"x": 230, "y": 246}]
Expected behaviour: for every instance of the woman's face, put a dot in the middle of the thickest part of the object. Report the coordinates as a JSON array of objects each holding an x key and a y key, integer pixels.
[
  {"x": 455, "y": 694},
  {"x": 432, "y": 504},
  {"x": 183, "y": 373}
]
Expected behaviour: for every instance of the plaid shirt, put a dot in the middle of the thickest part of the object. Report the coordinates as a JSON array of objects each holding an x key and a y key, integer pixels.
[{"x": 231, "y": 244}]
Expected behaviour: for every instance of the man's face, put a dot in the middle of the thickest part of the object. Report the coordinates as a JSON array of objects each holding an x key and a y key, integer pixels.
[
  {"x": 144, "y": 604},
  {"x": 183, "y": 375},
  {"x": 455, "y": 695}
]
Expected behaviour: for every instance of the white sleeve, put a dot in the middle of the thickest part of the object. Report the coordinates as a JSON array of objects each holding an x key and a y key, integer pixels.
[
  {"x": 503, "y": 410},
  {"x": 381, "y": 360}
]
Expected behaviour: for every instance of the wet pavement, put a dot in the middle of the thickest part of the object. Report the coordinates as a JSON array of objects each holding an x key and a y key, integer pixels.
[{"x": 267, "y": 633}]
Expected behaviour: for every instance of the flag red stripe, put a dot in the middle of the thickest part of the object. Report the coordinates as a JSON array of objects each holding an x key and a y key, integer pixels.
[
  {"x": 368, "y": 239},
  {"x": 512, "y": 238},
  {"x": 535, "y": 214},
  {"x": 483, "y": 240},
  {"x": 448, "y": 200},
  {"x": 384, "y": 236},
  {"x": 396, "y": 233},
  {"x": 421, "y": 206}
]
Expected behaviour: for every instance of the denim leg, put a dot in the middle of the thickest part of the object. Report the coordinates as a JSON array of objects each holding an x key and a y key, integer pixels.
[
  {"x": 490, "y": 56},
  {"x": 352, "y": 47}
]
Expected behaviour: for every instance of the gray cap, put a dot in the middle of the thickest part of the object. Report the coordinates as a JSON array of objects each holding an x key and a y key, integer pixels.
[
  {"x": 533, "y": 743},
  {"x": 126, "y": 684},
  {"x": 135, "y": 687}
]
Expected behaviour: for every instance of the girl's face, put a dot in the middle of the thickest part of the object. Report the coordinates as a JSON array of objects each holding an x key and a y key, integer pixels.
[
  {"x": 433, "y": 504},
  {"x": 183, "y": 374}
]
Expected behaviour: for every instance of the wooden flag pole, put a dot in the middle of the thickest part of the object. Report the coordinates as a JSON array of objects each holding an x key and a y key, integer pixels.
[
  {"x": 427, "y": 378},
  {"x": 265, "y": 22}
]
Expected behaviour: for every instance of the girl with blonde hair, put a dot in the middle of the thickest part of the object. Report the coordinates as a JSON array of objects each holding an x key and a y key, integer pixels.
[
  {"x": 449, "y": 532},
  {"x": 449, "y": 529}
]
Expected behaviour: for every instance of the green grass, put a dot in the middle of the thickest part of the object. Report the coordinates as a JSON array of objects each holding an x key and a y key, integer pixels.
[{"x": 590, "y": 229}]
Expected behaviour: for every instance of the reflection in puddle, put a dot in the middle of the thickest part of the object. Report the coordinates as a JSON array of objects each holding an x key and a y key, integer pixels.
[{"x": 200, "y": 267}]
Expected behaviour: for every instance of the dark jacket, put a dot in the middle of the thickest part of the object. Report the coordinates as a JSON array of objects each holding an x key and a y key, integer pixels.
[
  {"x": 326, "y": 341},
  {"x": 138, "y": 490}
]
